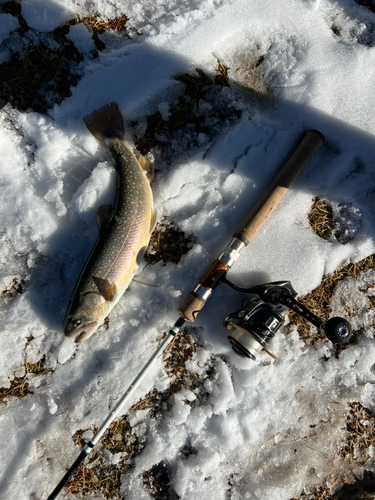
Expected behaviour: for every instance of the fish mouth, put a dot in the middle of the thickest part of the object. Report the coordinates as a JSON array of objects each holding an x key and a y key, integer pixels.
[
  {"x": 82, "y": 332},
  {"x": 85, "y": 334}
]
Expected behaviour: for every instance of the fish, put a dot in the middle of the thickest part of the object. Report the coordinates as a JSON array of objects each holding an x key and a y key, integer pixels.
[{"x": 124, "y": 231}]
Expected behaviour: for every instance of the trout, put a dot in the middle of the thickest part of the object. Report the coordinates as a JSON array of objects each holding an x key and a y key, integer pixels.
[{"x": 124, "y": 231}]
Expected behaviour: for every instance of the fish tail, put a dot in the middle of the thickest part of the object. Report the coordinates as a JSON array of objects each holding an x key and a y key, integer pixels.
[{"x": 106, "y": 123}]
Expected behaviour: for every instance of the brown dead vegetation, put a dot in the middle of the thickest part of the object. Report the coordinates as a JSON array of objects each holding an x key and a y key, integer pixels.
[
  {"x": 181, "y": 349},
  {"x": 321, "y": 218},
  {"x": 14, "y": 288},
  {"x": 360, "y": 433},
  {"x": 19, "y": 386},
  {"x": 168, "y": 243}
]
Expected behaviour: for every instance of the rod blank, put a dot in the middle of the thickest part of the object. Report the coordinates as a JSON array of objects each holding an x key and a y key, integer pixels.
[{"x": 116, "y": 410}]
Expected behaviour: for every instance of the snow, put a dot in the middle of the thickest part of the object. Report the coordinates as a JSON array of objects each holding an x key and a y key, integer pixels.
[
  {"x": 8, "y": 23},
  {"x": 81, "y": 38},
  {"x": 269, "y": 429},
  {"x": 45, "y": 16}
]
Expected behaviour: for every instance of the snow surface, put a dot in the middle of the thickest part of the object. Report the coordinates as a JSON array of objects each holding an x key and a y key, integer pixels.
[
  {"x": 54, "y": 176},
  {"x": 8, "y": 23}
]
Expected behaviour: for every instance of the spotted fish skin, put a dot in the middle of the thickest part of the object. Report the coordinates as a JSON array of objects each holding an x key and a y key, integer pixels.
[{"x": 124, "y": 232}]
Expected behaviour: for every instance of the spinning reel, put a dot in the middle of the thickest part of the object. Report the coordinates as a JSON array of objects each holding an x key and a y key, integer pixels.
[{"x": 257, "y": 322}]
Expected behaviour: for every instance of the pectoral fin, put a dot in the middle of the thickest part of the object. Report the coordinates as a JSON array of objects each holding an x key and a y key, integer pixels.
[
  {"x": 104, "y": 216},
  {"x": 105, "y": 288}
]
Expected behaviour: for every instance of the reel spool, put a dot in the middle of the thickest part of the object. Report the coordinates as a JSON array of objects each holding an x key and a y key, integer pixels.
[{"x": 257, "y": 322}]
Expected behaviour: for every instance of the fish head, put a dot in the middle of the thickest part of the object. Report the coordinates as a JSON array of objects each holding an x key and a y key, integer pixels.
[{"x": 86, "y": 316}]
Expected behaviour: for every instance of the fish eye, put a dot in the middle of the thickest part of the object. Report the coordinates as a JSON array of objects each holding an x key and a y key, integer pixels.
[{"x": 76, "y": 323}]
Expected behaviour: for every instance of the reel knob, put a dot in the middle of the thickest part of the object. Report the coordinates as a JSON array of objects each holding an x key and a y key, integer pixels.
[{"x": 337, "y": 330}]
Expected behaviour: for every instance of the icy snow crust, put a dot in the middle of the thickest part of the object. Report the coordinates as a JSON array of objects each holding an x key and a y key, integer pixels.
[{"x": 257, "y": 430}]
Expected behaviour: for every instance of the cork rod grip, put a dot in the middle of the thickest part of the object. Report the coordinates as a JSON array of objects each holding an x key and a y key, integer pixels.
[
  {"x": 309, "y": 145},
  {"x": 189, "y": 309}
]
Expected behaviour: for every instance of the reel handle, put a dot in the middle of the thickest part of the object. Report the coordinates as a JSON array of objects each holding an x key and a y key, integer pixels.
[
  {"x": 337, "y": 330},
  {"x": 309, "y": 145}
]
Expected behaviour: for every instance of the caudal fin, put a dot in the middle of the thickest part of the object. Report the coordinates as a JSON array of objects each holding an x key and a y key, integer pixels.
[{"x": 106, "y": 122}]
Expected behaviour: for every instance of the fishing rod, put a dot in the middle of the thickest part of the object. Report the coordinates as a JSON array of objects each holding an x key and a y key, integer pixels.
[{"x": 259, "y": 320}]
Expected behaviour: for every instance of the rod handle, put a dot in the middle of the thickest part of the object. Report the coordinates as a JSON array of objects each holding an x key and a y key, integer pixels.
[
  {"x": 190, "y": 308},
  {"x": 309, "y": 145}
]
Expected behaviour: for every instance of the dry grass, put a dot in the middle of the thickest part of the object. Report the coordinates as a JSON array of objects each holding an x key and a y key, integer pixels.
[
  {"x": 356, "y": 489},
  {"x": 96, "y": 22},
  {"x": 43, "y": 73},
  {"x": 174, "y": 358},
  {"x": 250, "y": 75},
  {"x": 39, "y": 78},
  {"x": 336, "y": 30},
  {"x": 168, "y": 243},
  {"x": 16, "y": 287},
  {"x": 321, "y": 218},
  {"x": 98, "y": 476},
  {"x": 46, "y": 69},
  {"x": 319, "y": 300},
  {"x": 321, "y": 493},
  {"x": 120, "y": 438},
  {"x": 98, "y": 25},
  {"x": 78, "y": 439},
  {"x": 19, "y": 386},
  {"x": 179, "y": 351},
  {"x": 361, "y": 488},
  {"x": 185, "y": 112},
  {"x": 222, "y": 78},
  {"x": 360, "y": 433}
]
